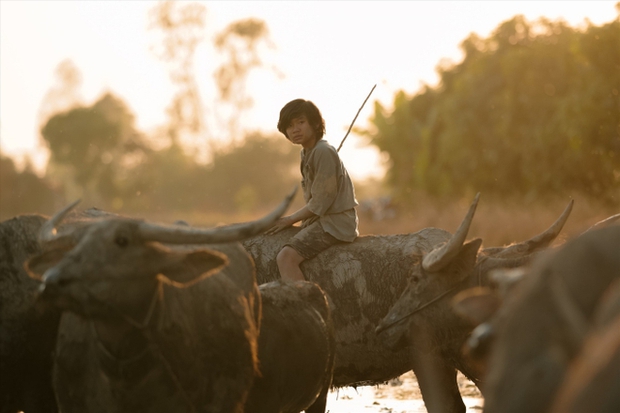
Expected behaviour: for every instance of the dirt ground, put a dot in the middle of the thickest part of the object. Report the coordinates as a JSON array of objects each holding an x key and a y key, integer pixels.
[{"x": 400, "y": 395}]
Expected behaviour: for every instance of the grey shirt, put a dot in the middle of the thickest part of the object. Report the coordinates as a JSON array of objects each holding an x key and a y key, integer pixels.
[{"x": 329, "y": 192}]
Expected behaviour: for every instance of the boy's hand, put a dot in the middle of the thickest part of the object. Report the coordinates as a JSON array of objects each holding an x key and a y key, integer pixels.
[{"x": 280, "y": 224}]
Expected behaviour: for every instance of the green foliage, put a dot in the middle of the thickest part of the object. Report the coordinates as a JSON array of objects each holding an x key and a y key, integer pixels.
[
  {"x": 249, "y": 175},
  {"x": 93, "y": 142},
  {"x": 166, "y": 179},
  {"x": 533, "y": 110},
  {"x": 254, "y": 173}
]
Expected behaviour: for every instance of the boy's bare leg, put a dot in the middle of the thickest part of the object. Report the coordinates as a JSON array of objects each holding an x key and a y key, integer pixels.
[{"x": 288, "y": 260}]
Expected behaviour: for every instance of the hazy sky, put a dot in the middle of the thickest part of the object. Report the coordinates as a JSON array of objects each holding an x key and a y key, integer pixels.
[{"x": 329, "y": 52}]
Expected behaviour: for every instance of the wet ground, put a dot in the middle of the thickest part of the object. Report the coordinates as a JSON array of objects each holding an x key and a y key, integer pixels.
[{"x": 400, "y": 395}]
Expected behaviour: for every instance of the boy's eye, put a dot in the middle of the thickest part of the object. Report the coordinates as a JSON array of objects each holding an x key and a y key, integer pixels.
[{"x": 297, "y": 122}]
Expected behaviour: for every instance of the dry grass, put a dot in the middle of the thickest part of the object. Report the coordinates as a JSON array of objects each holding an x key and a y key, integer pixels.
[{"x": 497, "y": 222}]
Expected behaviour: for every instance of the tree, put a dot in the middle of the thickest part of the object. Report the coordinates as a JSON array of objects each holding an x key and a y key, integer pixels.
[
  {"x": 253, "y": 173},
  {"x": 167, "y": 179},
  {"x": 532, "y": 110},
  {"x": 65, "y": 94},
  {"x": 245, "y": 176},
  {"x": 23, "y": 192},
  {"x": 182, "y": 28},
  {"x": 240, "y": 43},
  {"x": 411, "y": 125},
  {"x": 93, "y": 142}
]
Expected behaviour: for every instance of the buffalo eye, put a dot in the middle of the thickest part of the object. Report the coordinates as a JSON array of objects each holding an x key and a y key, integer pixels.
[
  {"x": 121, "y": 241},
  {"x": 415, "y": 279}
]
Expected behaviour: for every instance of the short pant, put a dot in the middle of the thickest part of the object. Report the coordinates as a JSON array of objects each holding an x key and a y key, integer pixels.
[{"x": 311, "y": 240}]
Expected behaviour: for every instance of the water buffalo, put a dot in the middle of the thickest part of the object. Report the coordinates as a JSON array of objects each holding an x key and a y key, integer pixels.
[
  {"x": 543, "y": 324},
  {"x": 295, "y": 350},
  {"x": 151, "y": 322},
  {"x": 26, "y": 334},
  {"x": 27, "y": 331},
  {"x": 364, "y": 279},
  {"x": 479, "y": 305},
  {"x": 592, "y": 381}
]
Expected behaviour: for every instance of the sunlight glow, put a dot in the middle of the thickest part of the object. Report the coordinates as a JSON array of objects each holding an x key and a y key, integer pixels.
[{"x": 329, "y": 52}]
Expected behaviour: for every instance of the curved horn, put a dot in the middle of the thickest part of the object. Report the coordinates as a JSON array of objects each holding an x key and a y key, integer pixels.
[
  {"x": 442, "y": 256},
  {"x": 48, "y": 230},
  {"x": 603, "y": 223},
  {"x": 181, "y": 234},
  {"x": 535, "y": 243}
]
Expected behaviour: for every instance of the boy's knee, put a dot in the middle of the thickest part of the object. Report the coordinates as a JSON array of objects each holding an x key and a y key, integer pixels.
[
  {"x": 288, "y": 256},
  {"x": 288, "y": 260}
]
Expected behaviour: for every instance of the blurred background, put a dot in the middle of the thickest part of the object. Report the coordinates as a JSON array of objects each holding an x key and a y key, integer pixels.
[{"x": 168, "y": 110}]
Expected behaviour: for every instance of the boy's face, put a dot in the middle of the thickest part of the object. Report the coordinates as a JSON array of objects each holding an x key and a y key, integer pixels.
[{"x": 300, "y": 132}]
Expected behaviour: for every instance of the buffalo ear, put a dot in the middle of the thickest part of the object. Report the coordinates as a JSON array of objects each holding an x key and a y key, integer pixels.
[
  {"x": 469, "y": 252},
  {"x": 465, "y": 260},
  {"x": 194, "y": 266},
  {"x": 476, "y": 305},
  {"x": 37, "y": 265}
]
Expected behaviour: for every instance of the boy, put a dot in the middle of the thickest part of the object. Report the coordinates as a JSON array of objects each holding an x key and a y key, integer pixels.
[{"x": 329, "y": 216}]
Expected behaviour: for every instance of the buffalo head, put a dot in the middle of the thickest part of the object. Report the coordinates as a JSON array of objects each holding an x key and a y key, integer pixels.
[
  {"x": 424, "y": 317},
  {"x": 112, "y": 266},
  {"x": 435, "y": 274}
]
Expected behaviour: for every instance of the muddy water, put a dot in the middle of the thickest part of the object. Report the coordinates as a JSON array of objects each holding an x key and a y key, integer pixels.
[{"x": 401, "y": 395}]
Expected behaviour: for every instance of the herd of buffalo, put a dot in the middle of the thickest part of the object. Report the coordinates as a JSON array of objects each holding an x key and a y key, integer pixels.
[{"x": 105, "y": 313}]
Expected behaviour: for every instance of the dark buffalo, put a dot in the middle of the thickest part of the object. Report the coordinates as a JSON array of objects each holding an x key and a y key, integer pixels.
[
  {"x": 592, "y": 381},
  {"x": 27, "y": 331},
  {"x": 152, "y": 323},
  {"x": 479, "y": 305},
  {"x": 364, "y": 279},
  {"x": 295, "y": 349},
  {"x": 26, "y": 334},
  {"x": 543, "y": 324}
]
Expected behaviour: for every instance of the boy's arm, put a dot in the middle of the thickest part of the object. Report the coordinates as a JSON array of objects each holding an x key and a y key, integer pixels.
[{"x": 287, "y": 221}]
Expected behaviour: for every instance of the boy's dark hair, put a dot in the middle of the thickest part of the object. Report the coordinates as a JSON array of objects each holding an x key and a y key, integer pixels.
[{"x": 299, "y": 107}]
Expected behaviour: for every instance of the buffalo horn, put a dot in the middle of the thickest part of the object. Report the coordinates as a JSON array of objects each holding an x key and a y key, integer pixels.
[
  {"x": 181, "y": 234},
  {"x": 535, "y": 243},
  {"x": 48, "y": 231},
  {"x": 443, "y": 255}
]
